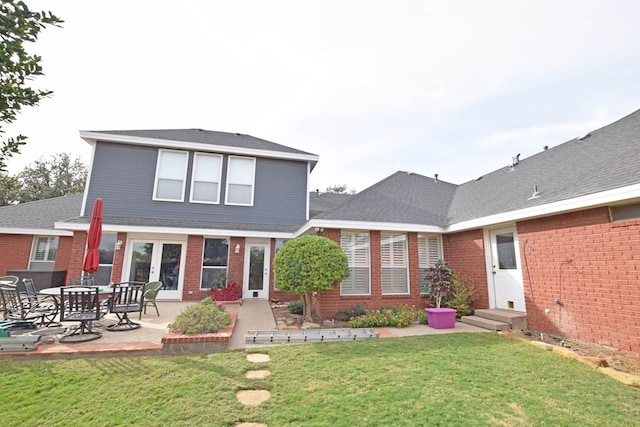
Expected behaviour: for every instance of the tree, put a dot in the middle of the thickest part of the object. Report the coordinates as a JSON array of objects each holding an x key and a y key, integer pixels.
[
  {"x": 309, "y": 264},
  {"x": 18, "y": 25},
  {"x": 340, "y": 189},
  {"x": 43, "y": 180}
]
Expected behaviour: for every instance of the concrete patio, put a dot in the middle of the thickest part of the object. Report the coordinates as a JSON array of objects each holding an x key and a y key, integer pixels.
[{"x": 250, "y": 316}]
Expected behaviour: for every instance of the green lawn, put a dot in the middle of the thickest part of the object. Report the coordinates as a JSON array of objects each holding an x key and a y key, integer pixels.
[{"x": 456, "y": 380}]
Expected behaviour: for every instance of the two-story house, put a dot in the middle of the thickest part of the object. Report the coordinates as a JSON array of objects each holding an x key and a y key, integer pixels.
[{"x": 555, "y": 235}]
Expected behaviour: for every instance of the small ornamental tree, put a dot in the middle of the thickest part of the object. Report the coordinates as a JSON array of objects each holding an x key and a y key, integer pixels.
[
  {"x": 309, "y": 264},
  {"x": 438, "y": 282}
]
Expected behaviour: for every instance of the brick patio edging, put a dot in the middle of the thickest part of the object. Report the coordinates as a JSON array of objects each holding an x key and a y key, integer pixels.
[{"x": 176, "y": 344}]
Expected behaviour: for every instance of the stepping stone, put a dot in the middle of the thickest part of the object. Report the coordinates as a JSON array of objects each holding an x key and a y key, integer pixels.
[
  {"x": 252, "y": 397},
  {"x": 257, "y": 357},
  {"x": 249, "y": 425},
  {"x": 257, "y": 374}
]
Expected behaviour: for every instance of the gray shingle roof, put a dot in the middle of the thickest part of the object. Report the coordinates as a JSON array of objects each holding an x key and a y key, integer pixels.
[
  {"x": 41, "y": 214},
  {"x": 322, "y": 202},
  {"x": 201, "y": 136},
  {"x": 608, "y": 158},
  {"x": 400, "y": 198}
]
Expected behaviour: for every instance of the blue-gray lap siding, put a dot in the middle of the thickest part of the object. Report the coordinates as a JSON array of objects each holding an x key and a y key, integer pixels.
[{"x": 123, "y": 176}]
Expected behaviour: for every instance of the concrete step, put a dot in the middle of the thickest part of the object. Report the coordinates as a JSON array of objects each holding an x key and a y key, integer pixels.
[
  {"x": 517, "y": 319},
  {"x": 481, "y": 322}
]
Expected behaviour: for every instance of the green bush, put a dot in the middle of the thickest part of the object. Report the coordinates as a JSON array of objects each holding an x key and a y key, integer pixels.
[
  {"x": 201, "y": 318},
  {"x": 295, "y": 307},
  {"x": 356, "y": 310},
  {"x": 462, "y": 295},
  {"x": 397, "y": 317}
]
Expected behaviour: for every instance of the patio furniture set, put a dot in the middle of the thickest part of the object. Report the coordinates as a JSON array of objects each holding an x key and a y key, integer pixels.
[{"x": 29, "y": 314}]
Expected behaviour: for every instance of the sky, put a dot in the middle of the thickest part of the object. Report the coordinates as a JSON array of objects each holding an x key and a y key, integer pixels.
[{"x": 454, "y": 88}]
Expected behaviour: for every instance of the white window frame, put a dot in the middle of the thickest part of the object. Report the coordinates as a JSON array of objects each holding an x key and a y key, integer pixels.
[
  {"x": 213, "y": 177},
  {"x": 429, "y": 251},
  {"x": 394, "y": 263},
  {"x": 172, "y": 175},
  {"x": 48, "y": 254},
  {"x": 214, "y": 267},
  {"x": 348, "y": 243},
  {"x": 231, "y": 181}
]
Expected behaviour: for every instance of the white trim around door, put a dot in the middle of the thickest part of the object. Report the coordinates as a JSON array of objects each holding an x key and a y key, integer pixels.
[
  {"x": 257, "y": 269},
  {"x": 504, "y": 272}
]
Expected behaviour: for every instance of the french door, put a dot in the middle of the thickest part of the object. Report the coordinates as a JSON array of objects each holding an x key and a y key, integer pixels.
[
  {"x": 157, "y": 260},
  {"x": 256, "y": 270}
]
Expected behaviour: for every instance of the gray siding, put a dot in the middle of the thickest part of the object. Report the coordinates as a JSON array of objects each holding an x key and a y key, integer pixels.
[{"x": 123, "y": 176}]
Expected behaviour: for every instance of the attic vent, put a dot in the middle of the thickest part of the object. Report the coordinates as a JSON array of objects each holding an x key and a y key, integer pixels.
[
  {"x": 535, "y": 194},
  {"x": 585, "y": 136},
  {"x": 239, "y": 134},
  {"x": 436, "y": 177},
  {"x": 515, "y": 160}
]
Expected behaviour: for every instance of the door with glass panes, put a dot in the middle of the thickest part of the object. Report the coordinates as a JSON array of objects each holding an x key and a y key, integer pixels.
[{"x": 157, "y": 260}]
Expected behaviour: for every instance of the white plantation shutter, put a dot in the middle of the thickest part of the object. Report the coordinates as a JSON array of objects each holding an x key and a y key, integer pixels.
[
  {"x": 394, "y": 263},
  {"x": 429, "y": 252},
  {"x": 356, "y": 247}
]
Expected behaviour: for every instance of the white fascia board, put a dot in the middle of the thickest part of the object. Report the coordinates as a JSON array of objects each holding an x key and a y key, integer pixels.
[
  {"x": 603, "y": 198},
  {"x": 92, "y": 137},
  {"x": 364, "y": 225},
  {"x": 179, "y": 231},
  {"x": 36, "y": 231}
]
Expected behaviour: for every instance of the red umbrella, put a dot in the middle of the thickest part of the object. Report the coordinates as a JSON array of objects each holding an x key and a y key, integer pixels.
[{"x": 92, "y": 257}]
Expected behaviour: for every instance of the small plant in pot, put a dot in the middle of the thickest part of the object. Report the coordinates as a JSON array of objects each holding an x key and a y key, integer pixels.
[{"x": 438, "y": 282}]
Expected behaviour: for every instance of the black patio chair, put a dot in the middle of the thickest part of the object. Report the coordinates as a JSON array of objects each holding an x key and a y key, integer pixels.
[
  {"x": 127, "y": 297},
  {"x": 46, "y": 304},
  {"x": 80, "y": 305},
  {"x": 17, "y": 307}
]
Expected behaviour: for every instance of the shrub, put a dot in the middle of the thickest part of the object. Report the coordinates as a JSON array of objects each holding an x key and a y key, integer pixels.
[
  {"x": 438, "y": 281},
  {"x": 201, "y": 318},
  {"x": 295, "y": 307},
  {"x": 462, "y": 295},
  {"x": 356, "y": 310},
  {"x": 398, "y": 317},
  {"x": 230, "y": 292}
]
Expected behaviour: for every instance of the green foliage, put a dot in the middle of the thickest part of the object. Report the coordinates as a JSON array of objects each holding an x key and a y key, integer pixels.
[
  {"x": 438, "y": 281},
  {"x": 44, "y": 179},
  {"x": 220, "y": 281},
  {"x": 397, "y": 317},
  {"x": 201, "y": 318},
  {"x": 309, "y": 264},
  {"x": 295, "y": 307},
  {"x": 462, "y": 296},
  {"x": 356, "y": 310},
  {"x": 18, "y": 25}
]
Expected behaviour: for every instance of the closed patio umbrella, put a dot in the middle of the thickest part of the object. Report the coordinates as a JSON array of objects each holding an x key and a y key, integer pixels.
[{"x": 92, "y": 257}]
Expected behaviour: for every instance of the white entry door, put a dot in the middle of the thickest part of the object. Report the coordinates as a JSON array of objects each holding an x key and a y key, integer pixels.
[
  {"x": 156, "y": 260},
  {"x": 256, "y": 270},
  {"x": 508, "y": 288}
]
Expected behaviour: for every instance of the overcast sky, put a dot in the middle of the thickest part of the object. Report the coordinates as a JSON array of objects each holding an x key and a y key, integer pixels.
[{"x": 449, "y": 87}]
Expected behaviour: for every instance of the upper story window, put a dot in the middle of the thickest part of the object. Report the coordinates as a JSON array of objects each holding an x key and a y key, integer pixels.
[
  {"x": 240, "y": 181},
  {"x": 205, "y": 180},
  {"x": 356, "y": 246},
  {"x": 43, "y": 253},
  {"x": 394, "y": 262},
  {"x": 171, "y": 173}
]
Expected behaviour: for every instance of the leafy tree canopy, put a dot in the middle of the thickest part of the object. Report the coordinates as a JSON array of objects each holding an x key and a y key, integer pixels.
[
  {"x": 44, "y": 179},
  {"x": 18, "y": 25},
  {"x": 340, "y": 189},
  {"x": 309, "y": 264}
]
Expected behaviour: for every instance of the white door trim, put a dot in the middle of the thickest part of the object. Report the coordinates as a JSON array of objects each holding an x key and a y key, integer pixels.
[
  {"x": 266, "y": 274},
  {"x": 491, "y": 277}
]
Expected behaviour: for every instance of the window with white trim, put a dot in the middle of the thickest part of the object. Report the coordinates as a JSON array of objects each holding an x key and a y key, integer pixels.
[
  {"x": 171, "y": 174},
  {"x": 356, "y": 246},
  {"x": 43, "y": 253},
  {"x": 215, "y": 258},
  {"x": 205, "y": 179},
  {"x": 394, "y": 263},
  {"x": 240, "y": 181},
  {"x": 429, "y": 251}
]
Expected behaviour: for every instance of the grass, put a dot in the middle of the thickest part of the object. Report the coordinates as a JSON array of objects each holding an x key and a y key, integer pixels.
[{"x": 453, "y": 379}]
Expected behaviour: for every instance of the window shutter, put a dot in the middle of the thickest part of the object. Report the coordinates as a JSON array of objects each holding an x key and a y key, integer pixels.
[{"x": 429, "y": 250}]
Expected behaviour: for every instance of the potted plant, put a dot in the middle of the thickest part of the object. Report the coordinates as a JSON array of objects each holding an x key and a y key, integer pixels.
[{"x": 437, "y": 284}]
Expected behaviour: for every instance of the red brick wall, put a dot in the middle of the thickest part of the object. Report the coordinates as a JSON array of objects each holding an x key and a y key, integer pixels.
[
  {"x": 235, "y": 268},
  {"x": 464, "y": 253},
  {"x": 193, "y": 269},
  {"x": 330, "y": 303},
  {"x": 118, "y": 258},
  {"x": 16, "y": 249},
  {"x": 592, "y": 266}
]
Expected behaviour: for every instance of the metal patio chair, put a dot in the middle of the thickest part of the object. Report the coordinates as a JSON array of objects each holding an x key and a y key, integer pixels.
[
  {"x": 127, "y": 297},
  {"x": 80, "y": 305},
  {"x": 150, "y": 293},
  {"x": 45, "y": 304}
]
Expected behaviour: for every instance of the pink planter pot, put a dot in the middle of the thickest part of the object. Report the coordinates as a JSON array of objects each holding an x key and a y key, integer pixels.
[{"x": 441, "y": 318}]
